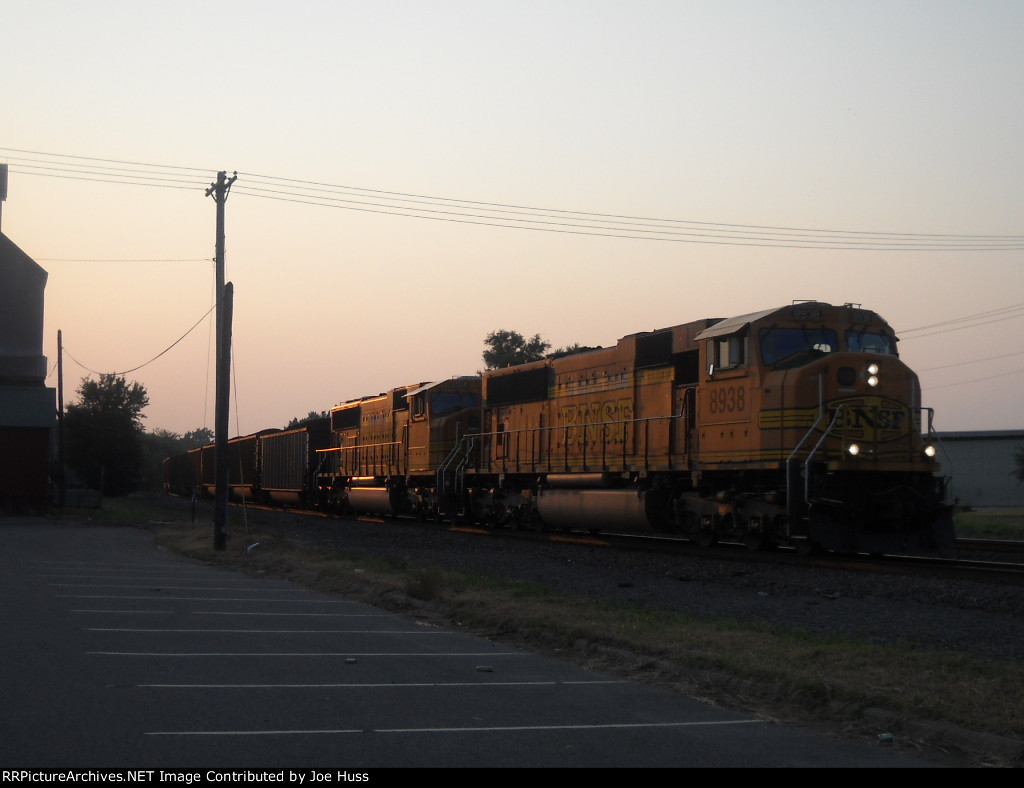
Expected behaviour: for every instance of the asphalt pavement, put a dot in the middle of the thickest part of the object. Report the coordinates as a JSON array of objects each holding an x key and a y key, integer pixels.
[{"x": 117, "y": 654}]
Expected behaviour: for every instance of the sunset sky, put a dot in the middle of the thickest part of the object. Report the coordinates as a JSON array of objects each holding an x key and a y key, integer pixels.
[{"x": 414, "y": 175}]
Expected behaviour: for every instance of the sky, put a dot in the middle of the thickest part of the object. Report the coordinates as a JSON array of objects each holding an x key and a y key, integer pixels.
[{"x": 414, "y": 175}]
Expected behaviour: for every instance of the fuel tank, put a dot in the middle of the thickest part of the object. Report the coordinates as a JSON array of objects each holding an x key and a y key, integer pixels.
[
  {"x": 600, "y": 509},
  {"x": 373, "y": 500}
]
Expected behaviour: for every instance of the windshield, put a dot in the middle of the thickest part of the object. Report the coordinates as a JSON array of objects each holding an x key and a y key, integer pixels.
[
  {"x": 796, "y": 346},
  {"x": 444, "y": 403},
  {"x": 867, "y": 342}
]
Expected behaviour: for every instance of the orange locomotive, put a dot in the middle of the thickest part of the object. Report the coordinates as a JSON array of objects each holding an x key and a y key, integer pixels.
[
  {"x": 797, "y": 425},
  {"x": 389, "y": 452}
]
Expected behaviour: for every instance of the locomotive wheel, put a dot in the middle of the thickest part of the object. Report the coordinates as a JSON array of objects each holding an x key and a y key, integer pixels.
[
  {"x": 806, "y": 547},
  {"x": 706, "y": 534},
  {"x": 705, "y": 538},
  {"x": 449, "y": 510},
  {"x": 756, "y": 540}
]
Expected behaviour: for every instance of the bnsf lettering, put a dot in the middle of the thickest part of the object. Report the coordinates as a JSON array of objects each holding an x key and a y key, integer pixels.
[
  {"x": 597, "y": 422},
  {"x": 728, "y": 399},
  {"x": 872, "y": 418}
]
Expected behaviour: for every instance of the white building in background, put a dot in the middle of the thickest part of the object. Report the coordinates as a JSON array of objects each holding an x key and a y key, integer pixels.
[{"x": 982, "y": 466}]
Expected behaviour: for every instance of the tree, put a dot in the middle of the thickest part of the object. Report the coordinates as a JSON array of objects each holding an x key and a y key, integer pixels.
[
  {"x": 160, "y": 444},
  {"x": 509, "y": 348},
  {"x": 310, "y": 418},
  {"x": 157, "y": 446},
  {"x": 104, "y": 433},
  {"x": 570, "y": 350},
  {"x": 193, "y": 439}
]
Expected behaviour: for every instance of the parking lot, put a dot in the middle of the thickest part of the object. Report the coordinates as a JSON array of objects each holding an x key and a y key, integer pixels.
[{"x": 118, "y": 654}]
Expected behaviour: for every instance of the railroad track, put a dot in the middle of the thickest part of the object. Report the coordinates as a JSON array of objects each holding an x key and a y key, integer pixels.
[
  {"x": 1001, "y": 572},
  {"x": 1011, "y": 546}
]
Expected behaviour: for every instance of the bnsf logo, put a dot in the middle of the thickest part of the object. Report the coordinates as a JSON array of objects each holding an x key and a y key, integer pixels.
[
  {"x": 875, "y": 418},
  {"x": 596, "y": 422}
]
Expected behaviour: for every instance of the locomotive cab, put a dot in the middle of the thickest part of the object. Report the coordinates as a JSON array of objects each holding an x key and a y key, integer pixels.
[
  {"x": 440, "y": 414},
  {"x": 816, "y": 397}
]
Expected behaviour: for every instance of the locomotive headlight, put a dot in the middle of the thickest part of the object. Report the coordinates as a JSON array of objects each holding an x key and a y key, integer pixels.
[
  {"x": 873, "y": 381},
  {"x": 853, "y": 449},
  {"x": 872, "y": 375},
  {"x": 929, "y": 451},
  {"x": 872, "y": 369}
]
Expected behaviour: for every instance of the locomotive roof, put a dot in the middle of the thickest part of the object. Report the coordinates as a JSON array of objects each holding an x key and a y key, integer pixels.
[
  {"x": 733, "y": 324},
  {"x": 427, "y": 386}
]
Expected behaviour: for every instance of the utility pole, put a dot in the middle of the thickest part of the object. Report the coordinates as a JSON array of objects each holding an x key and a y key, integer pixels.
[
  {"x": 219, "y": 192},
  {"x": 3, "y": 189},
  {"x": 61, "y": 481}
]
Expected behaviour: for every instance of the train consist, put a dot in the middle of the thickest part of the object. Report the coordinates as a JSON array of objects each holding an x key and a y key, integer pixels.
[{"x": 798, "y": 426}]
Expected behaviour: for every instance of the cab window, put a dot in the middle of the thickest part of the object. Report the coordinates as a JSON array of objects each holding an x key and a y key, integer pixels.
[
  {"x": 728, "y": 352},
  {"x": 794, "y": 347},
  {"x": 444, "y": 403},
  {"x": 868, "y": 342},
  {"x": 419, "y": 406}
]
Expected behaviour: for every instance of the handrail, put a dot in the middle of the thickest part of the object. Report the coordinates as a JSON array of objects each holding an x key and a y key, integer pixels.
[
  {"x": 378, "y": 457},
  {"x": 459, "y": 457},
  {"x": 540, "y": 440}
]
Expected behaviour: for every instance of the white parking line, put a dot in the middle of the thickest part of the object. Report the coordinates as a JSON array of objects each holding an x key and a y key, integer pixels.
[
  {"x": 421, "y": 631},
  {"x": 242, "y": 613},
  {"x": 392, "y": 684},
  {"x": 162, "y": 612},
  {"x": 488, "y": 729},
  {"x": 304, "y": 654},
  {"x": 158, "y": 585},
  {"x": 324, "y": 615},
  {"x": 250, "y": 600}
]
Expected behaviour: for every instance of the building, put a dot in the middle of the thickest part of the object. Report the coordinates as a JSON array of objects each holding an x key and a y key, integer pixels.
[
  {"x": 982, "y": 466},
  {"x": 28, "y": 408}
]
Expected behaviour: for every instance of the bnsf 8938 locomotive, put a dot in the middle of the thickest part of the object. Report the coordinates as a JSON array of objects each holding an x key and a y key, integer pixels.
[{"x": 797, "y": 425}]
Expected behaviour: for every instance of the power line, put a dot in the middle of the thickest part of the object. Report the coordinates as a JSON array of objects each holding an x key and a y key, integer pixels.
[
  {"x": 673, "y": 232},
  {"x": 140, "y": 366},
  {"x": 503, "y": 215},
  {"x": 972, "y": 361},
  {"x": 975, "y": 380},
  {"x": 313, "y": 189},
  {"x": 107, "y": 161},
  {"x": 122, "y": 260},
  {"x": 972, "y": 321}
]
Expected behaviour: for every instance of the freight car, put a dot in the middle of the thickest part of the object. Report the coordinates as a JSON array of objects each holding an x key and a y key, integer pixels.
[
  {"x": 268, "y": 467},
  {"x": 797, "y": 425}
]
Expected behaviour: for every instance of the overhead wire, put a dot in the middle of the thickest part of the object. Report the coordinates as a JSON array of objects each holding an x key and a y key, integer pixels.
[
  {"x": 975, "y": 380},
  {"x": 121, "y": 260},
  {"x": 146, "y": 364},
  {"x": 612, "y": 225},
  {"x": 502, "y": 215},
  {"x": 961, "y": 323},
  {"x": 972, "y": 361},
  {"x": 976, "y": 319}
]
